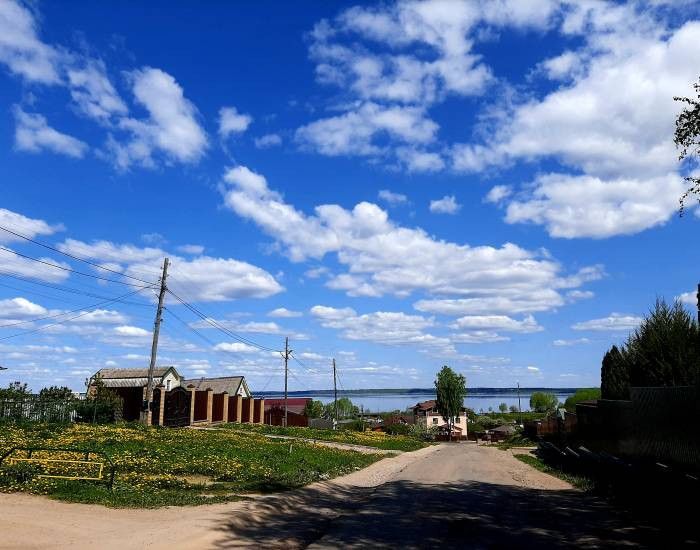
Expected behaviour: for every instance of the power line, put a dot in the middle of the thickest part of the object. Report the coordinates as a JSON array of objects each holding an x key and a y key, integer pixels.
[
  {"x": 93, "y": 264},
  {"x": 44, "y": 327},
  {"x": 5, "y": 249},
  {"x": 68, "y": 289},
  {"x": 223, "y": 329}
]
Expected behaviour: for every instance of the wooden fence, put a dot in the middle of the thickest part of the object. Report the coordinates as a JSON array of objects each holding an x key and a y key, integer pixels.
[{"x": 38, "y": 410}]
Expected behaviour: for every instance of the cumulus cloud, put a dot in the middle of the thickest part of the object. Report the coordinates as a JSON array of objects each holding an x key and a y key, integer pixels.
[
  {"x": 615, "y": 321},
  {"x": 232, "y": 122},
  {"x": 267, "y": 141},
  {"x": 203, "y": 278},
  {"x": 392, "y": 198},
  {"x": 498, "y": 193},
  {"x": 446, "y": 205},
  {"x": 382, "y": 257},
  {"x": 235, "y": 347},
  {"x": 572, "y": 342},
  {"x": 33, "y": 134},
  {"x": 171, "y": 128},
  {"x": 497, "y": 322},
  {"x": 20, "y": 308},
  {"x": 284, "y": 312},
  {"x": 606, "y": 122},
  {"x": 93, "y": 92},
  {"x": 28, "y": 227},
  {"x": 354, "y": 132},
  {"x": 22, "y": 50}
]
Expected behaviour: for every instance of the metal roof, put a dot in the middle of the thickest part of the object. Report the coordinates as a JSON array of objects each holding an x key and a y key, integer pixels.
[
  {"x": 229, "y": 384},
  {"x": 130, "y": 382},
  {"x": 132, "y": 373}
]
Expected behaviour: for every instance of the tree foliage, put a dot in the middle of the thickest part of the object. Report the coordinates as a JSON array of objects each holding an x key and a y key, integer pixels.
[
  {"x": 56, "y": 393},
  {"x": 614, "y": 375},
  {"x": 687, "y": 138},
  {"x": 314, "y": 409},
  {"x": 583, "y": 394},
  {"x": 663, "y": 351},
  {"x": 451, "y": 389},
  {"x": 503, "y": 407},
  {"x": 15, "y": 390},
  {"x": 543, "y": 402}
]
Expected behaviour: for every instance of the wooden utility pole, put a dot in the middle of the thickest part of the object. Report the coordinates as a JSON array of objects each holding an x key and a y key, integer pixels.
[
  {"x": 287, "y": 351},
  {"x": 520, "y": 411},
  {"x": 146, "y": 413},
  {"x": 335, "y": 395}
]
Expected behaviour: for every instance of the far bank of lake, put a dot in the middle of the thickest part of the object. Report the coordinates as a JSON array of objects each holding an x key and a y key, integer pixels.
[{"x": 385, "y": 400}]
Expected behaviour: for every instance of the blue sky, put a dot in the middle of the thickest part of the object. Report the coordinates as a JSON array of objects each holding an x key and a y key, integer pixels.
[{"x": 489, "y": 185}]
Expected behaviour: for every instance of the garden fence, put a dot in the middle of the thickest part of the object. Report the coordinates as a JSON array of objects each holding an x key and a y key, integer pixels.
[{"x": 38, "y": 410}]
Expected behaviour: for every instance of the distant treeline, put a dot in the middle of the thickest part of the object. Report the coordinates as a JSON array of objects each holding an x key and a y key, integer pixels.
[{"x": 419, "y": 391}]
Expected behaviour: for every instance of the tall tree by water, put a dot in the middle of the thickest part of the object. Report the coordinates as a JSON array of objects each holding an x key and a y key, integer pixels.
[{"x": 451, "y": 389}]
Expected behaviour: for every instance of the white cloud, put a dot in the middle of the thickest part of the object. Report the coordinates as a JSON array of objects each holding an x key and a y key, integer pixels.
[
  {"x": 29, "y": 227},
  {"x": 192, "y": 249},
  {"x": 93, "y": 92},
  {"x": 498, "y": 193},
  {"x": 235, "y": 347},
  {"x": 355, "y": 132},
  {"x": 572, "y": 342},
  {"x": 616, "y": 321},
  {"x": 202, "y": 279},
  {"x": 102, "y": 316},
  {"x": 127, "y": 330},
  {"x": 33, "y": 134},
  {"x": 20, "y": 47},
  {"x": 533, "y": 369},
  {"x": 20, "y": 308},
  {"x": 445, "y": 205},
  {"x": 267, "y": 141},
  {"x": 392, "y": 198},
  {"x": 34, "y": 270},
  {"x": 232, "y": 122},
  {"x": 284, "y": 312},
  {"x": 609, "y": 121},
  {"x": 689, "y": 298},
  {"x": 497, "y": 322},
  {"x": 419, "y": 161},
  {"x": 384, "y": 258},
  {"x": 171, "y": 127}
]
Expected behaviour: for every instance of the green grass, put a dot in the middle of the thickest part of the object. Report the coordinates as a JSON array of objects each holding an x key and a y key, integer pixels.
[
  {"x": 172, "y": 466},
  {"x": 580, "y": 482},
  {"x": 378, "y": 440}
]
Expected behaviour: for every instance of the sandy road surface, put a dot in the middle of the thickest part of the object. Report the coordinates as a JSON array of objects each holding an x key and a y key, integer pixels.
[{"x": 461, "y": 495}]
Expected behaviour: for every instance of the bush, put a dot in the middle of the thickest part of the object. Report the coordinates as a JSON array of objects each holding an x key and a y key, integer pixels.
[
  {"x": 543, "y": 402},
  {"x": 398, "y": 429},
  {"x": 97, "y": 412},
  {"x": 584, "y": 394}
]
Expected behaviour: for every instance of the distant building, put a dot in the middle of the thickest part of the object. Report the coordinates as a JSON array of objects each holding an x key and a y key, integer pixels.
[
  {"x": 274, "y": 411},
  {"x": 181, "y": 402},
  {"x": 426, "y": 414}
]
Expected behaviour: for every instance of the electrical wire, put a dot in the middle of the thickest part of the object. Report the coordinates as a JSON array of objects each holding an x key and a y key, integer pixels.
[
  {"x": 93, "y": 264},
  {"x": 68, "y": 269},
  {"x": 44, "y": 327},
  {"x": 62, "y": 289},
  {"x": 223, "y": 329}
]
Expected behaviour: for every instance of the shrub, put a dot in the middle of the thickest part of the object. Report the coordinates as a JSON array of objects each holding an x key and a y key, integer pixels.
[
  {"x": 584, "y": 394},
  {"x": 543, "y": 402}
]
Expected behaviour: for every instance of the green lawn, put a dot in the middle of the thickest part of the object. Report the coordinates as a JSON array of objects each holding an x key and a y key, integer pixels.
[
  {"x": 172, "y": 466},
  {"x": 379, "y": 440},
  {"x": 583, "y": 483}
]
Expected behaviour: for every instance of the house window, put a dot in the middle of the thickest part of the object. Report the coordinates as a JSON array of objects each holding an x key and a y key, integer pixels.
[
  {"x": 435, "y": 420},
  {"x": 167, "y": 385}
]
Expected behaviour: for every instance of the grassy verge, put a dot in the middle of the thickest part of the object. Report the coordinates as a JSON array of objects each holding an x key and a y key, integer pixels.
[
  {"x": 378, "y": 440},
  {"x": 580, "y": 482},
  {"x": 168, "y": 466}
]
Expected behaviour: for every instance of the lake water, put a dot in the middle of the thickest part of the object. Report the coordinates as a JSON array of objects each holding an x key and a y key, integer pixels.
[{"x": 478, "y": 399}]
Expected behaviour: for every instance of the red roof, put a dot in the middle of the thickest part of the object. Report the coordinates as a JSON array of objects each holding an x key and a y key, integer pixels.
[{"x": 294, "y": 404}]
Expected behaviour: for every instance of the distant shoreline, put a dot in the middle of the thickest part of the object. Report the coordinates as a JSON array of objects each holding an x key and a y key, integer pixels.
[{"x": 420, "y": 391}]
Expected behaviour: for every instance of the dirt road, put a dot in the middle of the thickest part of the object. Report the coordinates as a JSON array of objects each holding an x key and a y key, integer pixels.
[{"x": 458, "y": 495}]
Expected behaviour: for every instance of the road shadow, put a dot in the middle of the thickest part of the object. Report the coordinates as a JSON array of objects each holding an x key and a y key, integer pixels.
[{"x": 403, "y": 514}]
